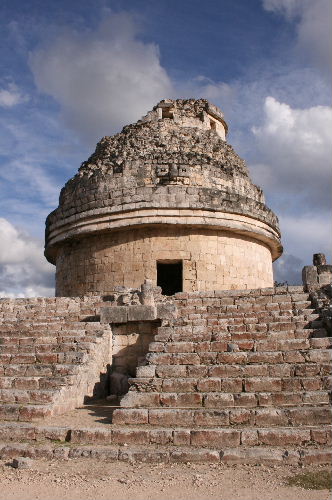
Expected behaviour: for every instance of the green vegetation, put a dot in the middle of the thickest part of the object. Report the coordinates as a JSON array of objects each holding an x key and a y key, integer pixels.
[{"x": 318, "y": 480}]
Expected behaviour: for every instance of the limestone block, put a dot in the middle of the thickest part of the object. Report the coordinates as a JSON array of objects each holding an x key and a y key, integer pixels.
[
  {"x": 326, "y": 268},
  {"x": 309, "y": 277},
  {"x": 166, "y": 311},
  {"x": 277, "y": 436},
  {"x": 193, "y": 456},
  {"x": 216, "y": 438},
  {"x": 325, "y": 278},
  {"x": 22, "y": 463},
  {"x": 115, "y": 314},
  {"x": 319, "y": 259},
  {"x": 146, "y": 371},
  {"x": 142, "y": 313}
]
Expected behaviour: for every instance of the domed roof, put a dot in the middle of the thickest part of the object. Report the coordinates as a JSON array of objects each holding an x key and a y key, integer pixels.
[{"x": 174, "y": 158}]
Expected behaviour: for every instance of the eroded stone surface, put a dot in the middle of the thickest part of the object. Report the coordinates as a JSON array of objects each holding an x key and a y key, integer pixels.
[{"x": 167, "y": 188}]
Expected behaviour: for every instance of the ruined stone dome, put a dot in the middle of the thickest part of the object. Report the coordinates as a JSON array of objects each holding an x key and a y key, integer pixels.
[{"x": 168, "y": 176}]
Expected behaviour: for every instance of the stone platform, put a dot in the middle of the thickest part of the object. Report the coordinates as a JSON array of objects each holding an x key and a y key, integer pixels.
[{"x": 236, "y": 377}]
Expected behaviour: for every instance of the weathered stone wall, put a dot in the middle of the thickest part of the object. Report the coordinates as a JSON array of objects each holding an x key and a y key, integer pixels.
[
  {"x": 198, "y": 113},
  {"x": 53, "y": 353},
  {"x": 212, "y": 260},
  {"x": 131, "y": 344},
  {"x": 239, "y": 376}
]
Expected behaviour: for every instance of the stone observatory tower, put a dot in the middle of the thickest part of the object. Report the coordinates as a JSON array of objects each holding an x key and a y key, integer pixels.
[{"x": 167, "y": 199}]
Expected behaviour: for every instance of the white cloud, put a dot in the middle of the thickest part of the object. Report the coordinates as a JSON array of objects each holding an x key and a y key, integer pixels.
[
  {"x": 314, "y": 34},
  {"x": 288, "y": 269},
  {"x": 11, "y": 96},
  {"x": 305, "y": 234},
  {"x": 296, "y": 151},
  {"x": 24, "y": 271},
  {"x": 102, "y": 79},
  {"x": 289, "y": 8},
  {"x": 106, "y": 78}
]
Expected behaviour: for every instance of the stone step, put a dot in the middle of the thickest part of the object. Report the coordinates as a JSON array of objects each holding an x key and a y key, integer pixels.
[
  {"x": 248, "y": 317},
  {"x": 49, "y": 348},
  {"x": 221, "y": 325},
  {"x": 218, "y": 400},
  {"x": 211, "y": 437},
  {"x": 230, "y": 384},
  {"x": 28, "y": 396},
  {"x": 210, "y": 321},
  {"x": 34, "y": 383},
  {"x": 40, "y": 370},
  {"x": 52, "y": 329},
  {"x": 223, "y": 311},
  {"x": 261, "y": 417},
  {"x": 45, "y": 357},
  {"x": 254, "y": 311},
  {"x": 274, "y": 352},
  {"x": 215, "y": 335},
  {"x": 273, "y": 343},
  {"x": 229, "y": 307},
  {"x": 220, "y": 315},
  {"x": 293, "y": 455},
  {"x": 259, "y": 369},
  {"x": 24, "y": 413},
  {"x": 218, "y": 438},
  {"x": 48, "y": 316},
  {"x": 238, "y": 298}
]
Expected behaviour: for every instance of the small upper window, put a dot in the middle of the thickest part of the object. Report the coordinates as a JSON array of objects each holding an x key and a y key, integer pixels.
[
  {"x": 213, "y": 125},
  {"x": 167, "y": 113}
]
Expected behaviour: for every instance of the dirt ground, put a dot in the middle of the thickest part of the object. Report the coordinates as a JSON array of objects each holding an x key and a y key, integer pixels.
[{"x": 100, "y": 480}]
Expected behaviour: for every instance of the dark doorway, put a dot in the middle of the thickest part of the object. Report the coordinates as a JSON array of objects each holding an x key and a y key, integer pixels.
[
  {"x": 167, "y": 113},
  {"x": 169, "y": 277}
]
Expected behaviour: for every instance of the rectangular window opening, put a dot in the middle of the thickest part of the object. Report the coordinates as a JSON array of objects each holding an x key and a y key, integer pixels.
[
  {"x": 167, "y": 113},
  {"x": 213, "y": 125},
  {"x": 169, "y": 276}
]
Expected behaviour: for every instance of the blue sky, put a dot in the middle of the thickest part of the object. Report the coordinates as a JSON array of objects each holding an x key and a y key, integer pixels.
[{"x": 74, "y": 71}]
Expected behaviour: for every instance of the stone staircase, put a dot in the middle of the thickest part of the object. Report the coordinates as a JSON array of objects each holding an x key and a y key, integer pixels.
[
  {"x": 236, "y": 377},
  {"x": 51, "y": 355},
  {"x": 241, "y": 371}
]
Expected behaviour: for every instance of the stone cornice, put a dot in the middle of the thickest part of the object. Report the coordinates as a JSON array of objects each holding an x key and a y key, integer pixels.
[{"x": 92, "y": 223}]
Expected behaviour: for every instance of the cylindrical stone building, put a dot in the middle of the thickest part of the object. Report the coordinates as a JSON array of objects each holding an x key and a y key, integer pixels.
[{"x": 167, "y": 199}]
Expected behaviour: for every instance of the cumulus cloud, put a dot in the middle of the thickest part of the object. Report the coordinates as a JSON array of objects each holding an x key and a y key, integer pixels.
[
  {"x": 105, "y": 78},
  {"x": 102, "y": 79},
  {"x": 11, "y": 96},
  {"x": 24, "y": 271},
  {"x": 288, "y": 269},
  {"x": 314, "y": 34},
  {"x": 307, "y": 233},
  {"x": 295, "y": 149}
]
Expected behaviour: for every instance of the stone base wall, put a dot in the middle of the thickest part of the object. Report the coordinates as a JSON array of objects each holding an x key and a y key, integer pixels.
[
  {"x": 212, "y": 260},
  {"x": 53, "y": 354},
  {"x": 130, "y": 345}
]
